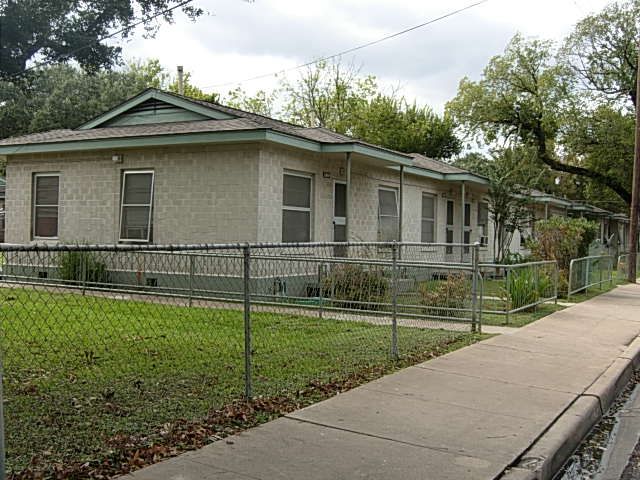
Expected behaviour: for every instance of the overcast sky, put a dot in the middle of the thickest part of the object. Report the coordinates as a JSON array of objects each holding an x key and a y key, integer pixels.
[{"x": 238, "y": 40}]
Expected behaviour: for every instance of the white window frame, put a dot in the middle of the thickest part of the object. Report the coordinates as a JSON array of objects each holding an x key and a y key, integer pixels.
[
  {"x": 36, "y": 205},
  {"x": 435, "y": 216},
  {"x": 300, "y": 209},
  {"x": 397, "y": 216},
  {"x": 150, "y": 205}
]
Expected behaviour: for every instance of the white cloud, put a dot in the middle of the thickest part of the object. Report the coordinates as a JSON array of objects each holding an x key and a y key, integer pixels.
[{"x": 242, "y": 40}]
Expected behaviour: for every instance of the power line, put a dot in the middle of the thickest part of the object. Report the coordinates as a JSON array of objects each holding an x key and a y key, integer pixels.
[
  {"x": 101, "y": 39},
  {"x": 353, "y": 49}
]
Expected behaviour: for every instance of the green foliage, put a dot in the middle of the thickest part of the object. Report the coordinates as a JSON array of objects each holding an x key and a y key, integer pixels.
[
  {"x": 65, "y": 97},
  {"x": 572, "y": 105},
  {"x": 513, "y": 258},
  {"x": 339, "y": 98},
  {"x": 562, "y": 239},
  {"x": 509, "y": 184},
  {"x": 61, "y": 31},
  {"x": 262, "y": 103},
  {"x": 445, "y": 298},
  {"x": 82, "y": 266},
  {"x": 525, "y": 286},
  {"x": 354, "y": 286}
]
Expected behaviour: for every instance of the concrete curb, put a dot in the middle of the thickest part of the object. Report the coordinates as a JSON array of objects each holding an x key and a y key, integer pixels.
[{"x": 543, "y": 459}]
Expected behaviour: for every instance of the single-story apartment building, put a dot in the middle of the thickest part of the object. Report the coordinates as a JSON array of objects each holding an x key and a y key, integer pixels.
[
  {"x": 167, "y": 169},
  {"x": 163, "y": 168}
]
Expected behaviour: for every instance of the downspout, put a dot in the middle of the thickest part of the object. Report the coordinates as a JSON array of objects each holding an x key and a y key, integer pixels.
[
  {"x": 400, "y": 236},
  {"x": 462, "y": 222},
  {"x": 347, "y": 205}
]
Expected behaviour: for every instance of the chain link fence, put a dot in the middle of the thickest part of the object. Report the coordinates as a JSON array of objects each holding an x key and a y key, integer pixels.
[
  {"x": 623, "y": 266},
  {"x": 509, "y": 289},
  {"x": 116, "y": 354},
  {"x": 589, "y": 272}
]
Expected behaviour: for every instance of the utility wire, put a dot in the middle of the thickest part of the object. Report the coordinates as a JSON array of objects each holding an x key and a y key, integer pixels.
[
  {"x": 101, "y": 39},
  {"x": 353, "y": 49}
]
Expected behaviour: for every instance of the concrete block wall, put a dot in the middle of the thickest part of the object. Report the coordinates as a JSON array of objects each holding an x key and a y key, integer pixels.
[
  {"x": 366, "y": 179},
  {"x": 205, "y": 194},
  {"x": 220, "y": 194}
]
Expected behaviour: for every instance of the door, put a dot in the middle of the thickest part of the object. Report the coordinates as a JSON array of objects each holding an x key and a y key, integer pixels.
[{"x": 339, "y": 216}]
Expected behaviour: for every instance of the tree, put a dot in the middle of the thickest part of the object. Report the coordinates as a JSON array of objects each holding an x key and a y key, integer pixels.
[
  {"x": 528, "y": 96},
  {"x": 63, "y": 96},
  {"x": 338, "y": 97},
  {"x": 602, "y": 51},
  {"x": 394, "y": 123},
  {"x": 62, "y": 30},
  {"x": 262, "y": 103},
  {"x": 328, "y": 95},
  {"x": 512, "y": 174}
]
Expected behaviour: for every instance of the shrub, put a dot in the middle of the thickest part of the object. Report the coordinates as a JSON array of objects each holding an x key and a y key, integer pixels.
[
  {"x": 445, "y": 296},
  {"x": 563, "y": 239},
  {"x": 525, "y": 286},
  {"x": 71, "y": 268},
  {"x": 353, "y": 286}
]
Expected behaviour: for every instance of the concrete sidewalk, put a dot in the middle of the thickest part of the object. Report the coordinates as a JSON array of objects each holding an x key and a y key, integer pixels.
[{"x": 470, "y": 414}]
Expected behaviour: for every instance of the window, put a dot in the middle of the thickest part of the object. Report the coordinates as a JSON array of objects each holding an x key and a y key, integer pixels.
[
  {"x": 428, "y": 218},
  {"x": 296, "y": 207},
  {"x": 449, "y": 230},
  {"x": 46, "y": 195},
  {"x": 387, "y": 214},
  {"x": 136, "y": 206},
  {"x": 483, "y": 223},
  {"x": 466, "y": 234}
]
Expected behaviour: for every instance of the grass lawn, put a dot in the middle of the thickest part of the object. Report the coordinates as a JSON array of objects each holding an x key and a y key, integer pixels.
[
  {"x": 520, "y": 319},
  {"x": 83, "y": 372}
]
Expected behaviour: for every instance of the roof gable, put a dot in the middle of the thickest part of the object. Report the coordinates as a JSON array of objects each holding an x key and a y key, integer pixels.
[{"x": 154, "y": 106}]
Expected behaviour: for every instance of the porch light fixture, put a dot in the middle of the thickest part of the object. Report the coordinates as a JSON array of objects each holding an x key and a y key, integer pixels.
[
  {"x": 117, "y": 158},
  {"x": 341, "y": 171},
  {"x": 326, "y": 174}
]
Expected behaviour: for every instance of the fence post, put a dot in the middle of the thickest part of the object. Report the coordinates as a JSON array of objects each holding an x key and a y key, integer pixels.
[
  {"x": 600, "y": 273},
  {"x": 248, "y": 390},
  {"x": 508, "y": 294},
  {"x": 556, "y": 280},
  {"x": 320, "y": 267},
  {"x": 587, "y": 277},
  {"x": 190, "y": 279},
  {"x": 83, "y": 270},
  {"x": 611, "y": 271},
  {"x": 394, "y": 300},
  {"x": 475, "y": 272},
  {"x": 2, "y": 436}
]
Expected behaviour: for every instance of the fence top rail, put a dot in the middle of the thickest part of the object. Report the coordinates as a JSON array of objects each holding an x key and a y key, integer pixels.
[
  {"x": 61, "y": 247},
  {"x": 517, "y": 265},
  {"x": 592, "y": 257}
]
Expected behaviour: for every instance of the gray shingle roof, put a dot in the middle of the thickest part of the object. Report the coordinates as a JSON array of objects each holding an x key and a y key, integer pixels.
[
  {"x": 54, "y": 136},
  {"x": 245, "y": 121},
  {"x": 436, "y": 165}
]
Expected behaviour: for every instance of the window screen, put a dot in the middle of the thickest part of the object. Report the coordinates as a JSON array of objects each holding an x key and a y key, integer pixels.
[
  {"x": 46, "y": 189},
  {"x": 428, "y": 218},
  {"x": 136, "y": 206},
  {"x": 296, "y": 208},
  {"x": 387, "y": 215},
  {"x": 467, "y": 214},
  {"x": 449, "y": 212}
]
